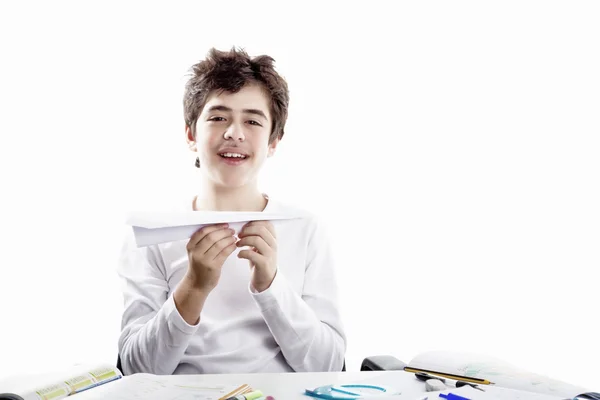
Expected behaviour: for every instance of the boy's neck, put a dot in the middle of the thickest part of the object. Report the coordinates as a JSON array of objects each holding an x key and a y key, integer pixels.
[{"x": 230, "y": 199}]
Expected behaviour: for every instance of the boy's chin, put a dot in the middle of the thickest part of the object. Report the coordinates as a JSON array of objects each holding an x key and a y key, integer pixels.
[{"x": 233, "y": 182}]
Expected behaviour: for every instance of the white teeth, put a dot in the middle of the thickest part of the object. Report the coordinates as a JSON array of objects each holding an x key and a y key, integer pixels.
[{"x": 233, "y": 155}]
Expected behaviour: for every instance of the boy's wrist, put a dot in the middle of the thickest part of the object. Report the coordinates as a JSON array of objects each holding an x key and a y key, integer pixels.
[
  {"x": 189, "y": 300},
  {"x": 260, "y": 284},
  {"x": 192, "y": 284}
]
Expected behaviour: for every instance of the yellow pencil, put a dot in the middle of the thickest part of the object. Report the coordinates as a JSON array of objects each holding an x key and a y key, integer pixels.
[
  {"x": 245, "y": 388},
  {"x": 451, "y": 376}
]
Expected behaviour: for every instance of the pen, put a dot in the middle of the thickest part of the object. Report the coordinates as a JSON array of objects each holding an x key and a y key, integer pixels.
[
  {"x": 450, "y": 376},
  {"x": 456, "y": 383},
  {"x": 452, "y": 396}
]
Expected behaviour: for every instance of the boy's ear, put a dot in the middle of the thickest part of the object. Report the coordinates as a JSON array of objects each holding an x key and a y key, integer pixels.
[
  {"x": 272, "y": 147},
  {"x": 190, "y": 139}
]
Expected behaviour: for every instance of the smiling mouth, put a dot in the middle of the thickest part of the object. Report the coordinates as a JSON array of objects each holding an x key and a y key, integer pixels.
[{"x": 233, "y": 156}]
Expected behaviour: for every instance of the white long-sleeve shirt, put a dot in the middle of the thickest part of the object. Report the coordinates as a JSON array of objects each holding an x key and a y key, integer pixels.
[{"x": 294, "y": 325}]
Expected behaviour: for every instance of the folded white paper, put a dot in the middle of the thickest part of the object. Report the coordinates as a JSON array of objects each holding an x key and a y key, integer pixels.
[{"x": 159, "y": 227}]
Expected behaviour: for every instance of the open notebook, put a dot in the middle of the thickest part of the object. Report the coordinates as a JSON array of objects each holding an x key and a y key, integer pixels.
[
  {"x": 500, "y": 373},
  {"x": 107, "y": 382}
]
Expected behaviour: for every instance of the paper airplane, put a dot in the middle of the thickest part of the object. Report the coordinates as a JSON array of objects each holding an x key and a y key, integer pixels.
[{"x": 151, "y": 228}]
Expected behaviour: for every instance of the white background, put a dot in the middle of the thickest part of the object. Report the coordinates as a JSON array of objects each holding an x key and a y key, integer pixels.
[{"x": 452, "y": 147}]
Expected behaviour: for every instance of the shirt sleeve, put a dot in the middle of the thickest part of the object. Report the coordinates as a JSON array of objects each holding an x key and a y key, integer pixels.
[
  {"x": 154, "y": 335},
  {"x": 307, "y": 327}
]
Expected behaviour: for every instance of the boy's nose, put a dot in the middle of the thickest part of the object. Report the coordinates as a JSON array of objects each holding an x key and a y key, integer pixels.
[{"x": 234, "y": 132}]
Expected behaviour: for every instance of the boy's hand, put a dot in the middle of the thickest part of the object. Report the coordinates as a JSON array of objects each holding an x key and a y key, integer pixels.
[
  {"x": 262, "y": 255},
  {"x": 208, "y": 248}
]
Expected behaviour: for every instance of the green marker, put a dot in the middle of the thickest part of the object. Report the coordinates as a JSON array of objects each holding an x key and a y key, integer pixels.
[{"x": 253, "y": 395}]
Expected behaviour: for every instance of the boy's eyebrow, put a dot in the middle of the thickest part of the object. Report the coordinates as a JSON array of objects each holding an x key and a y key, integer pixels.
[{"x": 255, "y": 111}]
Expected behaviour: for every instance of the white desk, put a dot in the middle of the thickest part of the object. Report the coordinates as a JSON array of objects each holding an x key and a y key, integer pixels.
[
  {"x": 288, "y": 386},
  {"x": 282, "y": 386}
]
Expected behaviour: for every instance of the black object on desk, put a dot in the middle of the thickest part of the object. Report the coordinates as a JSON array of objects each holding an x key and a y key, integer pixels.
[
  {"x": 588, "y": 396},
  {"x": 382, "y": 363}
]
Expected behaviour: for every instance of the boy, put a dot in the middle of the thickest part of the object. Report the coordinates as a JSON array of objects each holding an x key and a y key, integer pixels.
[{"x": 215, "y": 304}]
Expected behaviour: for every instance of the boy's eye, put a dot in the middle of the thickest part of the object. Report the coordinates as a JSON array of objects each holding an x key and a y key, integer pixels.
[
  {"x": 252, "y": 122},
  {"x": 216, "y": 119}
]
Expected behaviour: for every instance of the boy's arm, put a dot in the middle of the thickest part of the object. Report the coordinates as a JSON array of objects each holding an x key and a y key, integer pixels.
[
  {"x": 308, "y": 328},
  {"x": 154, "y": 334}
]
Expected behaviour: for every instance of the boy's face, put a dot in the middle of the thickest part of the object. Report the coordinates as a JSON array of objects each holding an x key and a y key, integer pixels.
[{"x": 232, "y": 136}]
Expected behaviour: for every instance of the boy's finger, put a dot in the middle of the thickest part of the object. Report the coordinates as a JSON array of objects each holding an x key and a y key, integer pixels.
[
  {"x": 217, "y": 247},
  {"x": 263, "y": 232},
  {"x": 266, "y": 224},
  {"x": 202, "y": 232},
  {"x": 252, "y": 256},
  {"x": 257, "y": 242},
  {"x": 226, "y": 252}
]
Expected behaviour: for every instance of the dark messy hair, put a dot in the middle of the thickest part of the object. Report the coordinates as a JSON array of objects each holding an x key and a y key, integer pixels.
[{"x": 230, "y": 71}]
